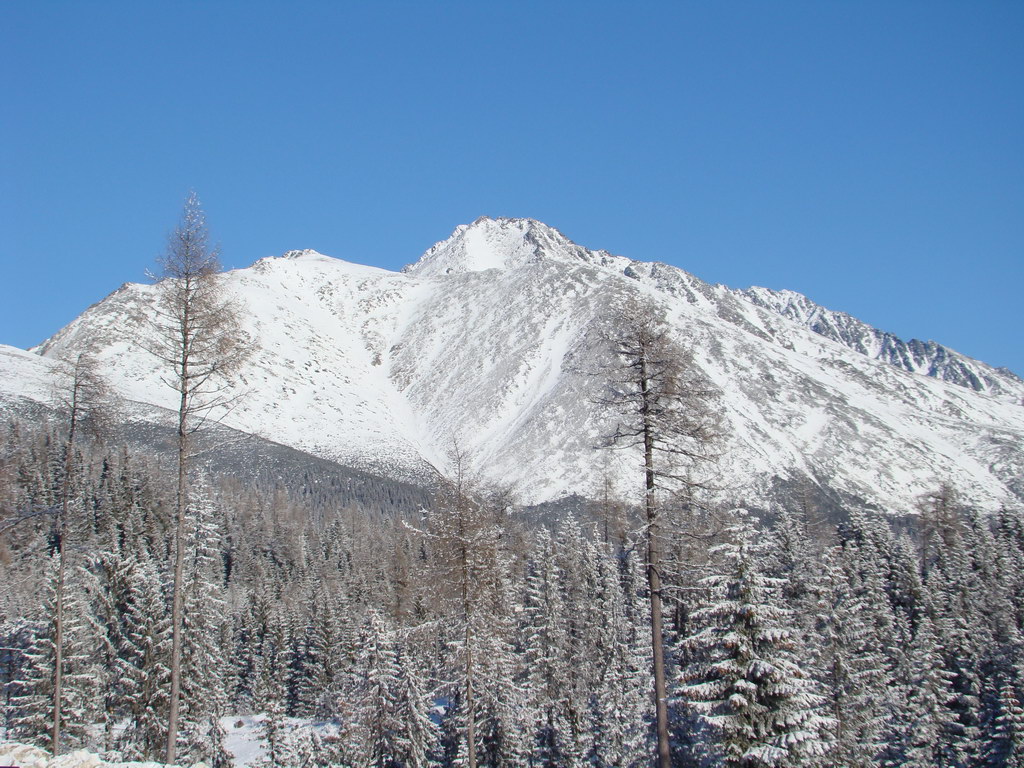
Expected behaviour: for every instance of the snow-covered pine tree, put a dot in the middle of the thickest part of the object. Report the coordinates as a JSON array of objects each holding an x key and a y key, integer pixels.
[
  {"x": 795, "y": 557},
  {"x": 744, "y": 678},
  {"x": 392, "y": 713},
  {"x": 888, "y": 569},
  {"x": 1006, "y": 749},
  {"x": 957, "y": 591},
  {"x": 927, "y": 717},
  {"x": 619, "y": 700},
  {"x": 501, "y": 725},
  {"x": 81, "y": 689},
  {"x": 324, "y": 651},
  {"x": 987, "y": 582},
  {"x": 418, "y": 741},
  {"x": 111, "y": 599},
  {"x": 270, "y": 693},
  {"x": 849, "y": 662},
  {"x": 546, "y": 657},
  {"x": 83, "y": 393},
  {"x": 275, "y": 659},
  {"x": 577, "y": 559},
  {"x": 962, "y": 640},
  {"x": 467, "y": 535},
  {"x": 16, "y": 636},
  {"x": 143, "y": 661},
  {"x": 250, "y": 638},
  {"x": 1009, "y": 541},
  {"x": 275, "y": 732},
  {"x": 203, "y": 663}
]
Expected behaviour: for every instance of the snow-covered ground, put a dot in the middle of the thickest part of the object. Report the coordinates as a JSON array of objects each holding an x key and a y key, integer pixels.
[
  {"x": 25, "y": 756},
  {"x": 242, "y": 742}
]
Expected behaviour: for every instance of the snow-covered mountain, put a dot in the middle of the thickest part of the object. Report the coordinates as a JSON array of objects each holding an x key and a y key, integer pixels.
[
  {"x": 915, "y": 355},
  {"x": 494, "y": 339}
]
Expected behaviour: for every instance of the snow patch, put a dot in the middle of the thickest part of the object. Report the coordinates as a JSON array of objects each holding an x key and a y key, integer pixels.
[{"x": 26, "y": 756}]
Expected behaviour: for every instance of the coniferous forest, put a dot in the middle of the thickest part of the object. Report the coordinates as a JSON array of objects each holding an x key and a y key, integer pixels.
[{"x": 467, "y": 630}]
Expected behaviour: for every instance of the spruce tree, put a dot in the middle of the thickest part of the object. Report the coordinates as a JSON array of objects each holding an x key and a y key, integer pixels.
[
  {"x": 80, "y": 693},
  {"x": 84, "y": 392},
  {"x": 275, "y": 731},
  {"x": 619, "y": 703},
  {"x": 745, "y": 680},
  {"x": 471, "y": 566},
  {"x": 927, "y": 717},
  {"x": 546, "y": 656},
  {"x": 204, "y": 666},
  {"x": 392, "y": 712},
  {"x": 323, "y": 652},
  {"x": 143, "y": 661},
  {"x": 1007, "y": 744},
  {"x": 850, "y": 664},
  {"x": 271, "y": 695}
]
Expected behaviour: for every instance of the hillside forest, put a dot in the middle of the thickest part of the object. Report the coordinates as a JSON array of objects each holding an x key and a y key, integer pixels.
[{"x": 149, "y": 595}]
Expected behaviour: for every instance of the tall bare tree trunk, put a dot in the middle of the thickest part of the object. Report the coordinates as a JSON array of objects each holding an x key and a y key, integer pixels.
[
  {"x": 58, "y": 617},
  {"x": 666, "y": 403},
  {"x": 470, "y": 705},
  {"x": 179, "y": 570},
  {"x": 653, "y": 575},
  {"x": 467, "y": 617},
  {"x": 200, "y": 338}
]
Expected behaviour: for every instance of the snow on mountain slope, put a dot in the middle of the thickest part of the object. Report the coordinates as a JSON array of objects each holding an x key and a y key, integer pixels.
[
  {"x": 25, "y": 375},
  {"x": 314, "y": 380},
  {"x": 494, "y": 340},
  {"x": 924, "y": 357}
]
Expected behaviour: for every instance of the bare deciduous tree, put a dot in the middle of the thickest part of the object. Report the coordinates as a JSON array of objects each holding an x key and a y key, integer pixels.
[
  {"x": 665, "y": 409},
  {"x": 199, "y": 338},
  {"x": 80, "y": 394}
]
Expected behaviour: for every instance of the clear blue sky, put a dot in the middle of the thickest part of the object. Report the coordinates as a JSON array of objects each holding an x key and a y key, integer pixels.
[{"x": 869, "y": 155}]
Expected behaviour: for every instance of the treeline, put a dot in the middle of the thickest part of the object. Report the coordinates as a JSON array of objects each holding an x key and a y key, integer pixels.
[{"x": 468, "y": 633}]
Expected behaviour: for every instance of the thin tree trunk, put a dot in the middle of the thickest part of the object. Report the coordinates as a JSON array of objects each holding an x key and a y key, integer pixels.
[
  {"x": 200, "y": 340},
  {"x": 62, "y": 534},
  {"x": 470, "y": 708},
  {"x": 654, "y": 577},
  {"x": 179, "y": 560},
  {"x": 58, "y": 641},
  {"x": 658, "y": 649},
  {"x": 58, "y": 618},
  {"x": 470, "y": 703}
]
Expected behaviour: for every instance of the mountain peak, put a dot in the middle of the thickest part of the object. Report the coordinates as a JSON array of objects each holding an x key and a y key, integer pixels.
[
  {"x": 496, "y": 243},
  {"x": 302, "y": 253}
]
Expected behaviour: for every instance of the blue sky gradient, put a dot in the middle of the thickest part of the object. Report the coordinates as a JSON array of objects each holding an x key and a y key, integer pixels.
[{"x": 869, "y": 155}]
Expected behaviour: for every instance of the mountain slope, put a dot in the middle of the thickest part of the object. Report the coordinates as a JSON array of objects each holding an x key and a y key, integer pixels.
[
  {"x": 494, "y": 340},
  {"x": 925, "y": 357}
]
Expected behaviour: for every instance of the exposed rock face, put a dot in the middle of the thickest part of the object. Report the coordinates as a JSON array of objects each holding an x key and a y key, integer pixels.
[{"x": 925, "y": 357}]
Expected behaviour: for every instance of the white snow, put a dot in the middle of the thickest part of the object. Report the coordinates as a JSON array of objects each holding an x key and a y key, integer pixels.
[
  {"x": 26, "y": 756},
  {"x": 493, "y": 340},
  {"x": 242, "y": 742}
]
